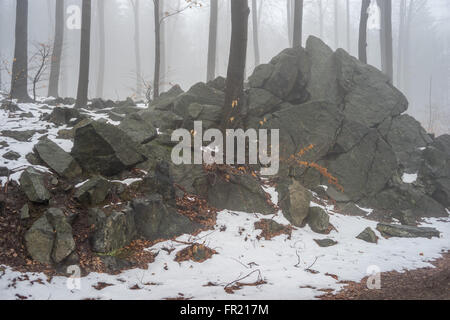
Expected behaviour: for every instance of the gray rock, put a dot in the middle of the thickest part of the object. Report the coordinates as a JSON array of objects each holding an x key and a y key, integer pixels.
[
  {"x": 435, "y": 170},
  {"x": 406, "y": 136},
  {"x": 105, "y": 149},
  {"x": 368, "y": 235},
  {"x": 57, "y": 159},
  {"x": 138, "y": 129},
  {"x": 22, "y": 136},
  {"x": 64, "y": 244},
  {"x": 32, "y": 183},
  {"x": 242, "y": 192},
  {"x": 11, "y": 155},
  {"x": 112, "y": 230},
  {"x": 318, "y": 220},
  {"x": 25, "y": 212},
  {"x": 261, "y": 102},
  {"x": 163, "y": 120},
  {"x": 155, "y": 220},
  {"x": 63, "y": 115},
  {"x": 294, "y": 201},
  {"x": 10, "y": 107},
  {"x": 390, "y": 230},
  {"x": 94, "y": 191},
  {"x": 39, "y": 240},
  {"x": 261, "y": 74},
  {"x": 4, "y": 171},
  {"x": 325, "y": 242}
]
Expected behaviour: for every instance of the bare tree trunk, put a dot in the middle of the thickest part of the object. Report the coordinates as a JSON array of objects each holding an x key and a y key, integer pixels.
[
  {"x": 101, "y": 38},
  {"x": 401, "y": 40},
  {"x": 408, "y": 46},
  {"x": 156, "y": 75},
  {"x": 362, "y": 42},
  {"x": 53, "y": 86},
  {"x": 236, "y": 64},
  {"x": 348, "y": 26},
  {"x": 162, "y": 32},
  {"x": 212, "y": 42},
  {"x": 298, "y": 24},
  {"x": 255, "y": 32},
  {"x": 137, "y": 48},
  {"x": 320, "y": 19},
  {"x": 85, "y": 46},
  {"x": 289, "y": 20},
  {"x": 386, "y": 37},
  {"x": 336, "y": 24},
  {"x": 19, "y": 77}
]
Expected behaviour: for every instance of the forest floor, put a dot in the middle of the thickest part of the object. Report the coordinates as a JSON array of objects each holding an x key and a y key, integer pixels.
[{"x": 420, "y": 284}]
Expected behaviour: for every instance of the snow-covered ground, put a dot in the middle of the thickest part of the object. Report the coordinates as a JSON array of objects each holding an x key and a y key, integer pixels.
[{"x": 282, "y": 262}]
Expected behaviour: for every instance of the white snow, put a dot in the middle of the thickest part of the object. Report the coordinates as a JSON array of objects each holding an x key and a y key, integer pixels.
[
  {"x": 128, "y": 181},
  {"x": 239, "y": 254},
  {"x": 409, "y": 178}
]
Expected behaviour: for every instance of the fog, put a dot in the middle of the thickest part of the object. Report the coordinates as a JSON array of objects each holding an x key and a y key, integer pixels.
[{"x": 186, "y": 45}]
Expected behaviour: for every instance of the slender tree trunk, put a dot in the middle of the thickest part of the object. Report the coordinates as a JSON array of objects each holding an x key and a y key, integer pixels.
[
  {"x": 162, "y": 32},
  {"x": 53, "y": 86},
  {"x": 101, "y": 38},
  {"x": 137, "y": 48},
  {"x": 298, "y": 24},
  {"x": 336, "y": 24},
  {"x": 255, "y": 32},
  {"x": 348, "y": 26},
  {"x": 401, "y": 40},
  {"x": 212, "y": 42},
  {"x": 236, "y": 64},
  {"x": 19, "y": 77},
  {"x": 85, "y": 47},
  {"x": 289, "y": 20},
  {"x": 156, "y": 75},
  {"x": 407, "y": 62},
  {"x": 386, "y": 37},
  {"x": 320, "y": 19},
  {"x": 362, "y": 42}
]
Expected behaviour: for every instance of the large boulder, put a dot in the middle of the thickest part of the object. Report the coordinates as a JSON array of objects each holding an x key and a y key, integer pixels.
[
  {"x": 50, "y": 240},
  {"x": 435, "y": 170},
  {"x": 39, "y": 240},
  {"x": 64, "y": 244},
  {"x": 112, "y": 230},
  {"x": 294, "y": 201},
  {"x": 401, "y": 197},
  {"x": 94, "y": 191},
  {"x": 199, "y": 93},
  {"x": 57, "y": 159},
  {"x": 138, "y": 129},
  {"x": 407, "y": 138},
  {"x": 32, "y": 184},
  {"x": 286, "y": 76},
  {"x": 363, "y": 92},
  {"x": 318, "y": 220},
  {"x": 105, "y": 149},
  {"x": 156, "y": 220},
  {"x": 63, "y": 115},
  {"x": 240, "y": 192}
]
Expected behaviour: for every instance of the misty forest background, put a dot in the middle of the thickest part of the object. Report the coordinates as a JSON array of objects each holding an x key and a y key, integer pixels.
[{"x": 420, "y": 34}]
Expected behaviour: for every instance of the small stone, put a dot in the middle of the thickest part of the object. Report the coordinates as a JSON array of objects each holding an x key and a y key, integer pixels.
[
  {"x": 25, "y": 212},
  {"x": 11, "y": 155},
  {"x": 318, "y": 220},
  {"x": 368, "y": 235},
  {"x": 325, "y": 242},
  {"x": 32, "y": 183}
]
